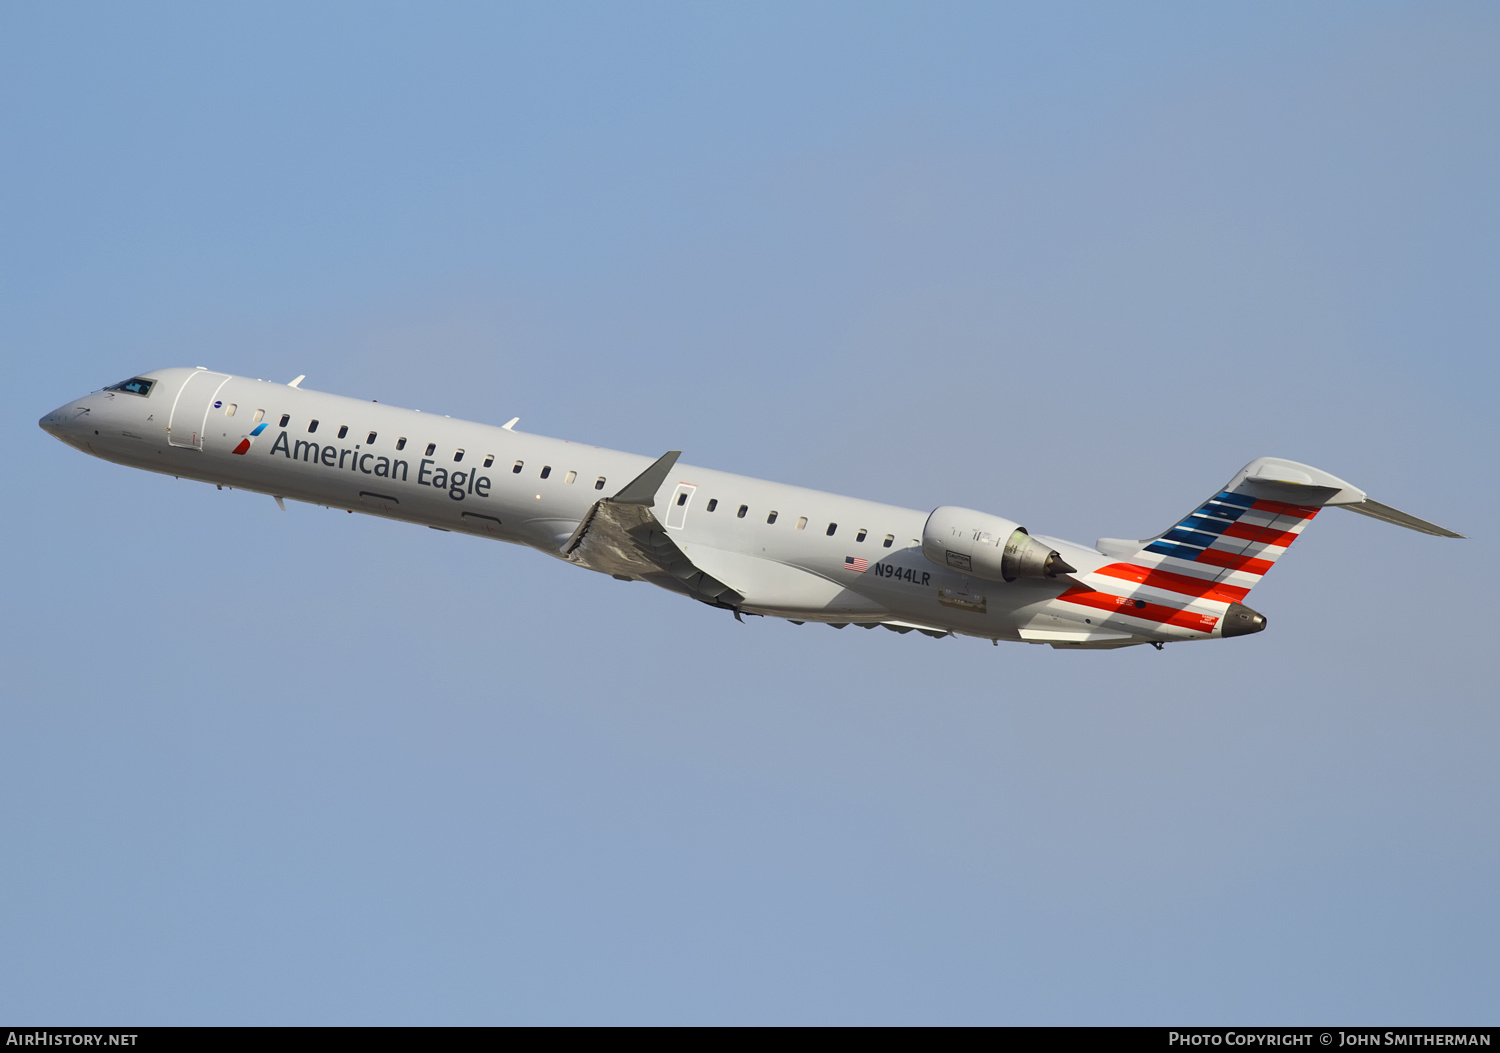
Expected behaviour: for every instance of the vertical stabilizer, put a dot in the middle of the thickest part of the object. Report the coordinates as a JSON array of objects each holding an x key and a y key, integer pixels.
[{"x": 1237, "y": 535}]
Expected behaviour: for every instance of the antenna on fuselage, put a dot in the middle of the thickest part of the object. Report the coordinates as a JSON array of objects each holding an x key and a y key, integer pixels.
[
  {"x": 508, "y": 425},
  {"x": 300, "y": 378}
]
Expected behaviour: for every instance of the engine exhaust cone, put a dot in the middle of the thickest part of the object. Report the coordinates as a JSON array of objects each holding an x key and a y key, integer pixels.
[{"x": 1057, "y": 565}]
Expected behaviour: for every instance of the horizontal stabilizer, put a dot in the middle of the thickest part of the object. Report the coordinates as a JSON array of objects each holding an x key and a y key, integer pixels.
[
  {"x": 1387, "y": 514},
  {"x": 1271, "y": 478}
]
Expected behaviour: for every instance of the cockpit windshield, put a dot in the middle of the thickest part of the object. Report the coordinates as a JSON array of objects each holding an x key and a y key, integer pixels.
[{"x": 135, "y": 385}]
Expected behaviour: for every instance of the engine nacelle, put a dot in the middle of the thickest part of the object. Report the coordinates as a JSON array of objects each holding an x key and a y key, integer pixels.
[{"x": 987, "y": 546}]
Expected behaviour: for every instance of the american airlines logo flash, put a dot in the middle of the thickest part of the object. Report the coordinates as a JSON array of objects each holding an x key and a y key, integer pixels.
[{"x": 244, "y": 446}]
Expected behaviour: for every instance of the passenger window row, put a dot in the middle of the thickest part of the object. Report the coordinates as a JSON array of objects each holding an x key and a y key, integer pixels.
[
  {"x": 458, "y": 455},
  {"x": 312, "y": 427},
  {"x": 546, "y": 473},
  {"x": 572, "y": 476},
  {"x": 713, "y": 503}
]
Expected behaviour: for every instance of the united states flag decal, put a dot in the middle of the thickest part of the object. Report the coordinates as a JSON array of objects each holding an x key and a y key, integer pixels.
[{"x": 854, "y": 563}]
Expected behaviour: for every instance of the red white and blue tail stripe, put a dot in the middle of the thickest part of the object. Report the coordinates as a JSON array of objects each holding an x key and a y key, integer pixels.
[
  {"x": 1231, "y": 540},
  {"x": 1185, "y": 582}
]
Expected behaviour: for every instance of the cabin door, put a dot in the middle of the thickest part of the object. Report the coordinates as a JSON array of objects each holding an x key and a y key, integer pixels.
[{"x": 190, "y": 411}]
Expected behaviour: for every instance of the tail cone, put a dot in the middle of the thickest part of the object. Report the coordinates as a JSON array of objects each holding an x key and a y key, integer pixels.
[{"x": 1240, "y": 620}]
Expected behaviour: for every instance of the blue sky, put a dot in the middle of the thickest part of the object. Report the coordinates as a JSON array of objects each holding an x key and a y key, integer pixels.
[{"x": 1071, "y": 264}]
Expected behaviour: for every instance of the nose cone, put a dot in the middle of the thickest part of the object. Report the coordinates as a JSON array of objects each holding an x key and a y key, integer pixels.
[
  {"x": 52, "y": 423},
  {"x": 66, "y": 422}
]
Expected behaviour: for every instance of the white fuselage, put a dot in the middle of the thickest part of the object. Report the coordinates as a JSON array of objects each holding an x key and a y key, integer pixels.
[{"x": 788, "y": 551}]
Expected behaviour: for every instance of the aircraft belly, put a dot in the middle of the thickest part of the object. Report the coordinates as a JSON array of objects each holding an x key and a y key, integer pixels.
[
  {"x": 774, "y": 588},
  {"x": 921, "y": 591},
  {"x": 547, "y": 533}
]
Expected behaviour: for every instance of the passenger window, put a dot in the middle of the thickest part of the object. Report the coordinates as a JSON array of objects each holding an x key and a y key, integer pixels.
[
  {"x": 546, "y": 470},
  {"x": 801, "y": 522},
  {"x": 681, "y": 500},
  {"x": 517, "y": 468},
  {"x": 489, "y": 459},
  {"x": 599, "y": 483},
  {"x": 861, "y": 535},
  {"x": 370, "y": 439},
  {"x": 431, "y": 449},
  {"x": 260, "y": 415},
  {"x": 458, "y": 455},
  {"x": 312, "y": 427},
  {"x": 713, "y": 502},
  {"x": 772, "y": 517},
  {"x": 831, "y": 528},
  {"x": 286, "y": 418},
  {"x": 401, "y": 443},
  {"x": 741, "y": 513},
  {"x": 889, "y": 538},
  {"x": 229, "y": 409},
  {"x": 343, "y": 430},
  {"x": 570, "y": 477}
]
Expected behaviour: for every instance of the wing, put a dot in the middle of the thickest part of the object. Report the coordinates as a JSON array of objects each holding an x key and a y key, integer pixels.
[{"x": 621, "y": 536}]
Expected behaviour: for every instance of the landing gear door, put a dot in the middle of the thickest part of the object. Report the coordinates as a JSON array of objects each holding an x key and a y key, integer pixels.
[
  {"x": 190, "y": 411},
  {"x": 677, "y": 511}
]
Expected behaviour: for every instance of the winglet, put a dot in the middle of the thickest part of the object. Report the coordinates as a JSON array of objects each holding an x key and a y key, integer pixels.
[{"x": 642, "y": 490}]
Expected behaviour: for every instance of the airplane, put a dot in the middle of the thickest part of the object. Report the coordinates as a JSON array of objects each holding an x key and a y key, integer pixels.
[{"x": 744, "y": 545}]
